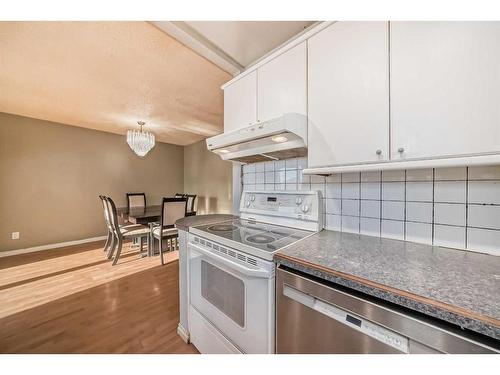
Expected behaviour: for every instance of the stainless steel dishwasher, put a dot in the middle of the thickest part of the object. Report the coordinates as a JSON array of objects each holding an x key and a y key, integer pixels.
[{"x": 316, "y": 317}]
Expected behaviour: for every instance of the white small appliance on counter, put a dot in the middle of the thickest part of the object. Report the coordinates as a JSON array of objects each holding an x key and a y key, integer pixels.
[{"x": 232, "y": 274}]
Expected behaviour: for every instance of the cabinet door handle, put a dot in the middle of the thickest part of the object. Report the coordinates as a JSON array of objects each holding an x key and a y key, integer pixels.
[
  {"x": 401, "y": 150},
  {"x": 378, "y": 152}
]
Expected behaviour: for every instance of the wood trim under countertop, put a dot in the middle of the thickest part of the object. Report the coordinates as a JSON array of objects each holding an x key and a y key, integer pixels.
[{"x": 453, "y": 309}]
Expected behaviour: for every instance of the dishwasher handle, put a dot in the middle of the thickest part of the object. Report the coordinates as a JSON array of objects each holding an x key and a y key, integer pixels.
[{"x": 357, "y": 323}]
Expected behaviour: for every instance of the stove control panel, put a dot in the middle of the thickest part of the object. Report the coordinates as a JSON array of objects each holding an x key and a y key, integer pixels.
[{"x": 291, "y": 205}]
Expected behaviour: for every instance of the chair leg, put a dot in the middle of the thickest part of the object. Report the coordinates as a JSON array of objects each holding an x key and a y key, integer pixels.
[
  {"x": 141, "y": 243},
  {"x": 108, "y": 241},
  {"x": 112, "y": 247},
  {"x": 118, "y": 251},
  {"x": 160, "y": 245}
]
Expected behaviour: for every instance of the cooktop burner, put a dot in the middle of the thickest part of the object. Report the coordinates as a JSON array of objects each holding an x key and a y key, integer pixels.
[
  {"x": 260, "y": 238},
  {"x": 222, "y": 227}
]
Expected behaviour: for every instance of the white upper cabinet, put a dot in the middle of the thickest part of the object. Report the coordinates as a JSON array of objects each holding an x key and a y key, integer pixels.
[
  {"x": 445, "y": 88},
  {"x": 282, "y": 84},
  {"x": 240, "y": 103},
  {"x": 348, "y": 93}
]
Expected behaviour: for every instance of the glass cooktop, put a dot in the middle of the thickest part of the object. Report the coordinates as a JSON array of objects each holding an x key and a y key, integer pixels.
[{"x": 263, "y": 236}]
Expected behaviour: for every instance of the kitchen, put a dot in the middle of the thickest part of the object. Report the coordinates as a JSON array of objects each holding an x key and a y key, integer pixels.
[
  {"x": 251, "y": 187},
  {"x": 373, "y": 243}
]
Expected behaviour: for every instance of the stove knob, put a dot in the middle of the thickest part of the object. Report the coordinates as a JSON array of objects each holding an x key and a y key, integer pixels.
[
  {"x": 305, "y": 208},
  {"x": 247, "y": 203},
  {"x": 298, "y": 201},
  {"x": 252, "y": 198}
]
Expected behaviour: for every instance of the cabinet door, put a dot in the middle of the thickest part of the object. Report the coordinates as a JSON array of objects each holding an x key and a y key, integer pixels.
[
  {"x": 282, "y": 84},
  {"x": 348, "y": 78},
  {"x": 240, "y": 103},
  {"x": 445, "y": 88}
]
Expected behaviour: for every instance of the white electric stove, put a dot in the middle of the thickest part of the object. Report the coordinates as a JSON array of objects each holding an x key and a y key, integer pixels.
[{"x": 231, "y": 273}]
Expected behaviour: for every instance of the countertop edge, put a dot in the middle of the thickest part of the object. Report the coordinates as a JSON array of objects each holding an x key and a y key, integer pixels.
[{"x": 464, "y": 318}]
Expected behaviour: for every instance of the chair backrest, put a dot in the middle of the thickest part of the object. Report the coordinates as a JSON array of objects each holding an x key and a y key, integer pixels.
[
  {"x": 107, "y": 218},
  {"x": 172, "y": 209},
  {"x": 115, "y": 225},
  {"x": 136, "y": 200},
  {"x": 190, "y": 202}
]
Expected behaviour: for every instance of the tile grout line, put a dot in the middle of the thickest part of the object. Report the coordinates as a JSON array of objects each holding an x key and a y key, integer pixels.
[
  {"x": 433, "y": 199},
  {"x": 466, "y": 207}
]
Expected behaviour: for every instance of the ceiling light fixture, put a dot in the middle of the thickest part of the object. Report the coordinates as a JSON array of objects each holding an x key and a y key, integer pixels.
[
  {"x": 223, "y": 151},
  {"x": 279, "y": 139},
  {"x": 140, "y": 142}
]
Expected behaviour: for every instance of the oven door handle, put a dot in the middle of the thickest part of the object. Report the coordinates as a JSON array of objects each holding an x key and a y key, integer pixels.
[{"x": 239, "y": 267}]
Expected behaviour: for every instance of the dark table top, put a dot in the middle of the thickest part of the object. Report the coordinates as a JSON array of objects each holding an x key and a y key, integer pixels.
[{"x": 140, "y": 215}]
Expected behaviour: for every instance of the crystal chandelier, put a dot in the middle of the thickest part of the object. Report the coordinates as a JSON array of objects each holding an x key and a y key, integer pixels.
[{"x": 139, "y": 141}]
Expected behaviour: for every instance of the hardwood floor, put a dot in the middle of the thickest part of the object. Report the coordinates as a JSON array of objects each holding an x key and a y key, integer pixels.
[{"x": 72, "y": 300}]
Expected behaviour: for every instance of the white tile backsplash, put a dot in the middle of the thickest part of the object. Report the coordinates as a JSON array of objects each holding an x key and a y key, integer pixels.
[
  {"x": 333, "y": 190},
  {"x": 351, "y": 177},
  {"x": 484, "y": 240},
  {"x": 259, "y": 177},
  {"x": 333, "y": 206},
  {"x": 393, "y": 175},
  {"x": 393, "y": 191},
  {"x": 484, "y": 216},
  {"x": 350, "y": 190},
  {"x": 370, "y": 190},
  {"x": 450, "y": 174},
  {"x": 419, "y": 175},
  {"x": 419, "y": 211},
  {"x": 393, "y": 210},
  {"x": 486, "y": 192},
  {"x": 333, "y": 222},
  {"x": 393, "y": 229},
  {"x": 452, "y": 207},
  {"x": 449, "y": 191},
  {"x": 484, "y": 173},
  {"x": 419, "y": 232},
  {"x": 370, "y": 209},
  {"x": 419, "y": 191},
  {"x": 350, "y": 224},
  {"x": 291, "y": 176},
  {"x": 449, "y": 236},
  {"x": 369, "y": 226},
  {"x": 449, "y": 214},
  {"x": 269, "y": 177},
  {"x": 371, "y": 176},
  {"x": 350, "y": 207}
]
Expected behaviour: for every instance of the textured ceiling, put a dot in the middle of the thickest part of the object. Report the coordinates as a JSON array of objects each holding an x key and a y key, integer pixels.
[
  {"x": 247, "y": 41},
  {"x": 108, "y": 75}
]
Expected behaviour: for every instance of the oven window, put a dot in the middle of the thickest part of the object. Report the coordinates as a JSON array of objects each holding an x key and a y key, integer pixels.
[{"x": 224, "y": 291}]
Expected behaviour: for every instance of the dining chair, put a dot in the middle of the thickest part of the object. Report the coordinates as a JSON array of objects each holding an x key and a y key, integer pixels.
[
  {"x": 136, "y": 200},
  {"x": 107, "y": 220},
  {"x": 172, "y": 209},
  {"x": 190, "y": 204},
  {"x": 121, "y": 233}
]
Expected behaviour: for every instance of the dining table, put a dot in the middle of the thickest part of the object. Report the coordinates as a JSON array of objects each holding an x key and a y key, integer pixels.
[
  {"x": 140, "y": 215},
  {"x": 148, "y": 215}
]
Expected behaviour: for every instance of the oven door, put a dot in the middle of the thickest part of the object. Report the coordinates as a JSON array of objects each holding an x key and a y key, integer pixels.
[{"x": 236, "y": 299}]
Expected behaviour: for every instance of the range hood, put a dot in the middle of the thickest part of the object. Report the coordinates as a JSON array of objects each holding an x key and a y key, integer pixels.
[{"x": 280, "y": 138}]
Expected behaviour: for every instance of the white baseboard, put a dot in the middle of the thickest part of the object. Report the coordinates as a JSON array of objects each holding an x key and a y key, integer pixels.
[
  {"x": 50, "y": 246},
  {"x": 181, "y": 331}
]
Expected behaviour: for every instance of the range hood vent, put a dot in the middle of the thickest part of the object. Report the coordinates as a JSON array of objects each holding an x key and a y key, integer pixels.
[{"x": 281, "y": 138}]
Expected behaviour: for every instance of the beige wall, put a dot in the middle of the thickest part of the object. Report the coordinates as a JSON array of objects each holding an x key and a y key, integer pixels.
[
  {"x": 206, "y": 175},
  {"x": 51, "y": 175}
]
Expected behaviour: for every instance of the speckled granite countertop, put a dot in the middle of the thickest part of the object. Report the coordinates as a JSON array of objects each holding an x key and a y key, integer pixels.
[
  {"x": 192, "y": 221},
  {"x": 459, "y": 287}
]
